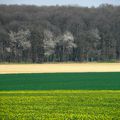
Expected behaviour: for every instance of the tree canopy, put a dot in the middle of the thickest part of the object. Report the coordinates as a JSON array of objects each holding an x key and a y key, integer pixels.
[{"x": 59, "y": 33}]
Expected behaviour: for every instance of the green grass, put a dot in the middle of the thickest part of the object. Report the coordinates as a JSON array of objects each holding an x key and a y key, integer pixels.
[
  {"x": 61, "y": 81},
  {"x": 60, "y": 105}
]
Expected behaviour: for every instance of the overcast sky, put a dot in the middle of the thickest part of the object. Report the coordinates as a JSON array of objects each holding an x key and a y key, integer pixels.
[{"x": 88, "y": 3}]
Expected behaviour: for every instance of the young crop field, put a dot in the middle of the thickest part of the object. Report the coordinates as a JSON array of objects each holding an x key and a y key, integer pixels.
[
  {"x": 61, "y": 81},
  {"x": 60, "y": 105}
]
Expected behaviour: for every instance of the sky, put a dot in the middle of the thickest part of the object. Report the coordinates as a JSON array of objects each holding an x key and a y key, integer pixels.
[{"x": 85, "y": 3}]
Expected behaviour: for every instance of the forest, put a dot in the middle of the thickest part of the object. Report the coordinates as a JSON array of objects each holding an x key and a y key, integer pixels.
[{"x": 38, "y": 34}]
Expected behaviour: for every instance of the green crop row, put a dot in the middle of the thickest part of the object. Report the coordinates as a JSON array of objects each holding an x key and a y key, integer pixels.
[
  {"x": 60, "y": 105},
  {"x": 61, "y": 81}
]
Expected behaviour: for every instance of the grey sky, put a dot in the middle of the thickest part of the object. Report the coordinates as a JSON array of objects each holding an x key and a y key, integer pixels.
[{"x": 88, "y": 3}]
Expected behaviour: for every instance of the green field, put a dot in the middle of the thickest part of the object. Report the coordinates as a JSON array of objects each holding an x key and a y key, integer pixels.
[
  {"x": 61, "y": 81},
  {"x": 60, "y": 96},
  {"x": 60, "y": 105}
]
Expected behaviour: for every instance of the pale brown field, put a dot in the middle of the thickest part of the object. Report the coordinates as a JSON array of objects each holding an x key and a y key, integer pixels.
[{"x": 62, "y": 67}]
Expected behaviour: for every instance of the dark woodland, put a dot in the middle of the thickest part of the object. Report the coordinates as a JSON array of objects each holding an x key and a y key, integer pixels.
[{"x": 35, "y": 34}]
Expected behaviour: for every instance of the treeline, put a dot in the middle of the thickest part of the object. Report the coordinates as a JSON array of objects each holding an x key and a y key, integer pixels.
[{"x": 59, "y": 33}]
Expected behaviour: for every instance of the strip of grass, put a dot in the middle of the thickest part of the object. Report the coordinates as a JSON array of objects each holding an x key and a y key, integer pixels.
[
  {"x": 61, "y": 81},
  {"x": 60, "y": 105}
]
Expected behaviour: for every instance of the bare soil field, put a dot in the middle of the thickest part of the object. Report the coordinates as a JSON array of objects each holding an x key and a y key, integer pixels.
[{"x": 59, "y": 68}]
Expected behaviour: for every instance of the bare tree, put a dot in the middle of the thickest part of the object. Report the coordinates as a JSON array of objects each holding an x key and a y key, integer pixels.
[
  {"x": 49, "y": 44},
  {"x": 65, "y": 44},
  {"x": 19, "y": 43},
  {"x": 92, "y": 43}
]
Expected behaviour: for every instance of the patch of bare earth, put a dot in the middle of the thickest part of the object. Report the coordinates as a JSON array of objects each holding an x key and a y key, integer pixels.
[{"x": 58, "y": 68}]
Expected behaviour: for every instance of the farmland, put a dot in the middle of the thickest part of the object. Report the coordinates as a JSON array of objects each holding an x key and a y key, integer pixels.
[
  {"x": 60, "y": 105},
  {"x": 59, "y": 68},
  {"x": 69, "y": 94},
  {"x": 61, "y": 81}
]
